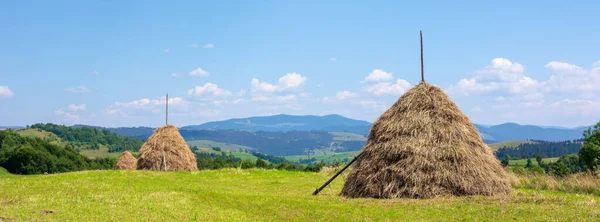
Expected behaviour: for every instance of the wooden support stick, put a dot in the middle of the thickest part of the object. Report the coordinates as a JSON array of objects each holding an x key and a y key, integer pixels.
[
  {"x": 336, "y": 174},
  {"x": 422, "y": 69},
  {"x": 167, "y": 112}
]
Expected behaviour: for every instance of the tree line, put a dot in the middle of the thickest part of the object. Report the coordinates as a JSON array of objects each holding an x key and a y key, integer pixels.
[
  {"x": 26, "y": 155},
  {"x": 93, "y": 136},
  {"x": 543, "y": 148}
]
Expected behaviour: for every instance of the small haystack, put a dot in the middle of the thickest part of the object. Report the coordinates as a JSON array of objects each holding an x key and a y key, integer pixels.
[
  {"x": 425, "y": 147},
  {"x": 166, "y": 146},
  {"x": 126, "y": 162}
]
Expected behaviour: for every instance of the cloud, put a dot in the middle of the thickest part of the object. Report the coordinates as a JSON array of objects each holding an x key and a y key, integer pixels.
[
  {"x": 147, "y": 105},
  {"x": 95, "y": 73},
  {"x": 502, "y": 75},
  {"x": 198, "y": 72},
  {"x": 166, "y": 50},
  {"x": 378, "y": 75},
  {"x": 208, "y": 46},
  {"x": 573, "y": 79},
  {"x": 78, "y": 89},
  {"x": 208, "y": 90},
  {"x": 74, "y": 107},
  {"x": 174, "y": 74},
  {"x": 476, "y": 109},
  {"x": 564, "y": 67},
  {"x": 240, "y": 93},
  {"x": 333, "y": 59},
  {"x": 344, "y": 95},
  {"x": 292, "y": 80},
  {"x": 5, "y": 92},
  {"x": 286, "y": 82},
  {"x": 388, "y": 88},
  {"x": 194, "y": 45}
]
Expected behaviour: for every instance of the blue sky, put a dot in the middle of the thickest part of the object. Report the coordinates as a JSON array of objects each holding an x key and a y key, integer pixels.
[{"x": 110, "y": 63}]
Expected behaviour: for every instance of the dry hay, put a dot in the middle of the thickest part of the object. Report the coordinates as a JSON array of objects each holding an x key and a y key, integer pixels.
[
  {"x": 126, "y": 162},
  {"x": 178, "y": 155},
  {"x": 425, "y": 147}
]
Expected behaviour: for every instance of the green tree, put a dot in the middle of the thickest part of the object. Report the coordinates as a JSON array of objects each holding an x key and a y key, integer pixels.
[
  {"x": 539, "y": 159},
  {"x": 560, "y": 169},
  {"x": 260, "y": 163},
  {"x": 505, "y": 161},
  {"x": 537, "y": 169},
  {"x": 590, "y": 152},
  {"x": 529, "y": 163},
  {"x": 247, "y": 164}
]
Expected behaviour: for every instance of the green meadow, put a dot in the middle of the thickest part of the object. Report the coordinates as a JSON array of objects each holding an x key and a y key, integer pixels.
[{"x": 257, "y": 195}]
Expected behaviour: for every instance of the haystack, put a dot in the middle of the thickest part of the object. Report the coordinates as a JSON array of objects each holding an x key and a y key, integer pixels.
[
  {"x": 126, "y": 162},
  {"x": 425, "y": 147},
  {"x": 177, "y": 155}
]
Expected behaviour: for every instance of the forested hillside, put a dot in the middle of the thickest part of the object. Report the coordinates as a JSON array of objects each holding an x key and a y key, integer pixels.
[
  {"x": 276, "y": 143},
  {"x": 93, "y": 136},
  {"x": 544, "y": 148},
  {"x": 26, "y": 155}
]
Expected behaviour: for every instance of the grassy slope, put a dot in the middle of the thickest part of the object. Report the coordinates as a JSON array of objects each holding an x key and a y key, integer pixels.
[
  {"x": 241, "y": 155},
  {"x": 523, "y": 162},
  {"x": 210, "y": 144},
  {"x": 44, "y": 135},
  {"x": 256, "y": 195},
  {"x": 343, "y": 136},
  {"x": 512, "y": 143},
  {"x": 325, "y": 157},
  {"x": 102, "y": 152}
]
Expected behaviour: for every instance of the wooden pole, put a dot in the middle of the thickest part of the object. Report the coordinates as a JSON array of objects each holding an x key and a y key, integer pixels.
[
  {"x": 336, "y": 175},
  {"x": 422, "y": 69},
  {"x": 167, "y": 112},
  {"x": 164, "y": 160}
]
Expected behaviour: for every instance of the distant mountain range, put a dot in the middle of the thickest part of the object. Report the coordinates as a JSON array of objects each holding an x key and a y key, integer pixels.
[
  {"x": 337, "y": 123},
  {"x": 276, "y": 123}
]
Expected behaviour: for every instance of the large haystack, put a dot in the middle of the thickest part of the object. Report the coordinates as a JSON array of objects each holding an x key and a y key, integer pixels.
[
  {"x": 126, "y": 162},
  {"x": 177, "y": 154},
  {"x": 425, "y": 147}
]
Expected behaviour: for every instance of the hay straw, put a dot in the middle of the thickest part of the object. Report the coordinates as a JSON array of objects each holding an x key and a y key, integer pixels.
[
  {"x": 425, "y": 147},
  {"x": 126, "y": 162},
  {"x": 178, "y": 155}
]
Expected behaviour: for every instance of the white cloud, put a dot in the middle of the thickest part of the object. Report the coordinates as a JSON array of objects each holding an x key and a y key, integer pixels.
[
  {"x": 5, "y": 92},
  {"x": 564, "y": 67},
  {"x": 174, "y": 74},
  {"x": 78, "y": 89},
  {"x": 74, "y": 107},
  {"x": 194, "y": 45},
  {"x": 572, "y": 79},
  {"x": 501, "y": 75},
  {"x": 292, "y": 80},
  {"x": 333, "y": 59},
  {"x": 388, "y": 88},
  {"x": 289, "y": 81},
  {"x": 378, "y": 75},
  {"x": 198, "y": 72},
  {"x": 208, "y": 89},
  {"x": 344, "y": 95},
  {"x": 258, "y": 86},
  {"x": 208, "y": 46},
  {"x": 240, "y": 93},
  {"x": 166, "y": 50},
  {"x": 70, "y": 117}
]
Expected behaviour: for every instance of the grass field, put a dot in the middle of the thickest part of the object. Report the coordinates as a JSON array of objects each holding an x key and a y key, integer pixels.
[
  {"x": 211, "y": 144},
  {"x": 328, "y": 158},
  {"x": 237, "y": 154},
  {"x": 343, "y": 136},
  {"x": 256, "y": 195},
  {"x": 512, "y": 143},
  {"x": 523, "y": 162},
  {"x": 101, "y": 152}
]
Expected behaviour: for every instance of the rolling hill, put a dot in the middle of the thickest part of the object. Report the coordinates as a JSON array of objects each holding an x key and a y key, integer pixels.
[{"x": 282, "y": 122}]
